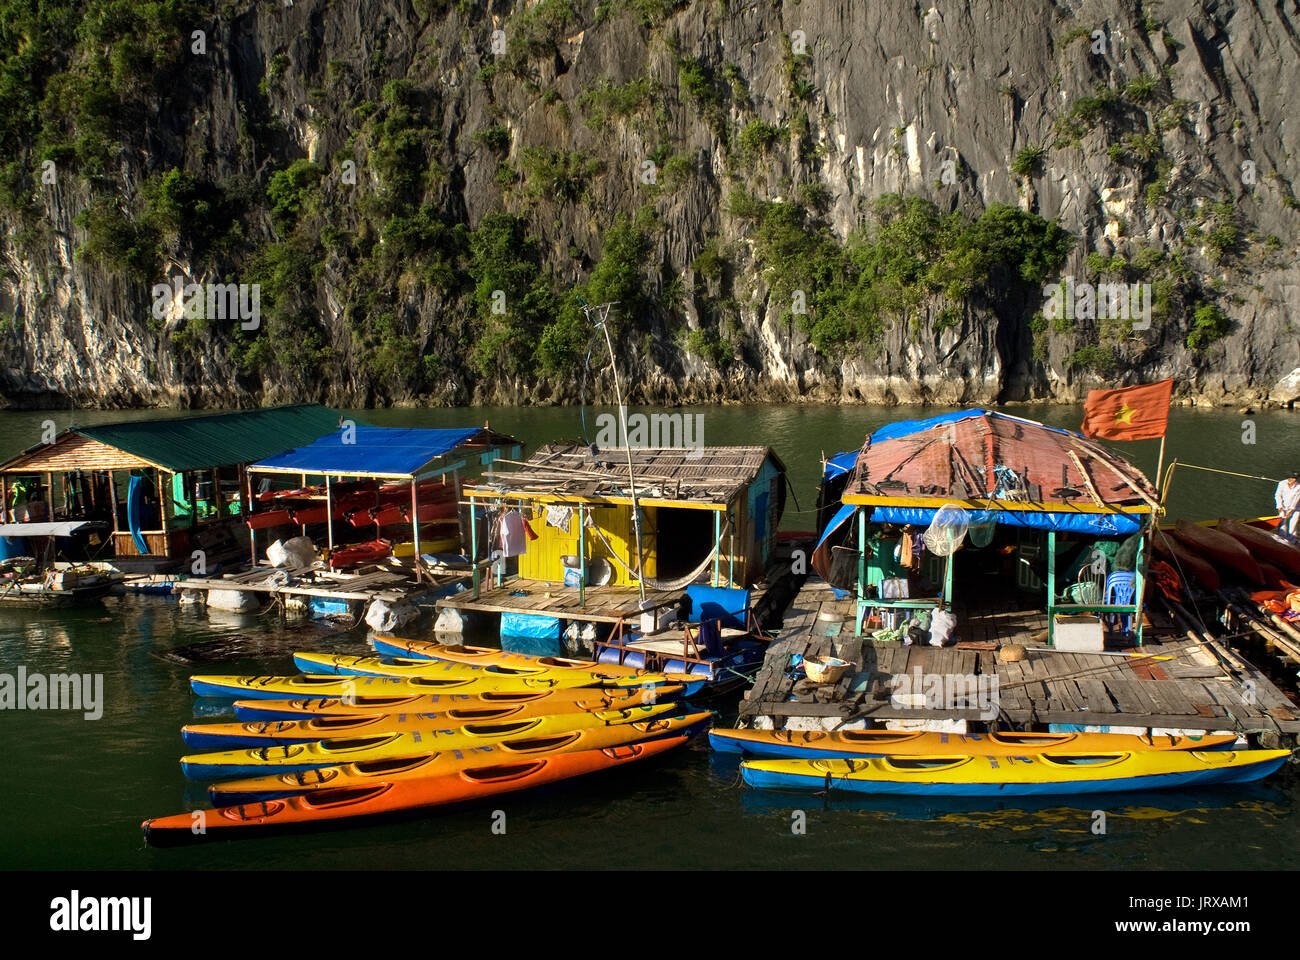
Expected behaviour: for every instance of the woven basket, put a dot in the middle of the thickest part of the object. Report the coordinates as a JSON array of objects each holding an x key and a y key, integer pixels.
[{"x": 825, "y": 669}]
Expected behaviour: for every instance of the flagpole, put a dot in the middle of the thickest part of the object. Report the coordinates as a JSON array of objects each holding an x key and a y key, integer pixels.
[{"x": 1160, "y": 466}]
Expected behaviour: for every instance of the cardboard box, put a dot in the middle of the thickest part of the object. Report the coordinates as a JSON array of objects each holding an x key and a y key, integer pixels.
[{"x": 1079, "y": 634}]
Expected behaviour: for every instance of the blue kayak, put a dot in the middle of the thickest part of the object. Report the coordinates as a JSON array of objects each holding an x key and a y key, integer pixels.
[{"x": 1008, "y": 776}]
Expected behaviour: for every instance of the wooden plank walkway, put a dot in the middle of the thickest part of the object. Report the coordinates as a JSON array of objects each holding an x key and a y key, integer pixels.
[
  {"x": 381, "y": 584},
  {"x": 1191, "y": 691},
  {"x": 603, "y": 604}
]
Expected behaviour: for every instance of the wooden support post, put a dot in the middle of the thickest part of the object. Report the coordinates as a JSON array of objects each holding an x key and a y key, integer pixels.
[
  {"x": 112, "y": 495},
  {"x": 415, "y": 525},
  {"x": 252, "y": 534},
  {"x": 1051, "y": 588},
  {"x": 329, "y": 518},
  {"x": 582, "y": 558},
  {"x": 862, "y": 571},
  {"x": 717, "y": 542},
  {"x": 162, "y": 515},
  {"x": 1139, "y": 583},
  {"x": 473, "y": 543},
  {"x": 304, "y": 484},
  {"x": 731, "y": 550}
]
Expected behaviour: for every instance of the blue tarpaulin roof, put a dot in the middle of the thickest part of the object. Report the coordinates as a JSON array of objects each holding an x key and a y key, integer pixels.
[{"x": 376, "y": 452}]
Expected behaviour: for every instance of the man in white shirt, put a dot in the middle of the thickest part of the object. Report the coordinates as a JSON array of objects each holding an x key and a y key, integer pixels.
[{"x": 1287, "y": 499}]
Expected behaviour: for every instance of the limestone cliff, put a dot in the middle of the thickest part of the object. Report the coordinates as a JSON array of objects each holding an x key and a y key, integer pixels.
[{"x": 418, "y": 187}]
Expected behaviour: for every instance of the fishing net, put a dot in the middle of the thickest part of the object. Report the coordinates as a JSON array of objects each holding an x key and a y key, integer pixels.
[
  {"x": 982, "y": 525},
  {"x": 947, "y": 530}
]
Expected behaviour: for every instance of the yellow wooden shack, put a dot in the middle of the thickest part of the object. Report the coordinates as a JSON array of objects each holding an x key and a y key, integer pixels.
[{"x": 709, "y": 512}]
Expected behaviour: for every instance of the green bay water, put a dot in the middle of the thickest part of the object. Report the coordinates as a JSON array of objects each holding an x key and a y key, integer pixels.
[{"x": 75, "y": 790}]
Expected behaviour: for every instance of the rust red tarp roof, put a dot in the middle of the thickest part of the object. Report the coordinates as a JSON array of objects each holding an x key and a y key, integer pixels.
[{"x": 995, "y": 456}]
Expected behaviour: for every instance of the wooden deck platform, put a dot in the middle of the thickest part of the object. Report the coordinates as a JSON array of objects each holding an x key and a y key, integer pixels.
[
  {"x": 1192, "y": 690},
  {"x": 603, "y": 604},
  {"x": 382, "y": 584}
]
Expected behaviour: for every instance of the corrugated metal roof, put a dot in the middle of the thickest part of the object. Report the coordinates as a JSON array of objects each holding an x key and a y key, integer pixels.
[
  {"x": 699, "y": 475},
  {"x": 374, "y": 451},
  {"x": 194, "y": 443}
]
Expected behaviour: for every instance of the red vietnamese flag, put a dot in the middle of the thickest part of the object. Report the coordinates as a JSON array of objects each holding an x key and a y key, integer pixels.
[{"x": 1130, "y": 413}]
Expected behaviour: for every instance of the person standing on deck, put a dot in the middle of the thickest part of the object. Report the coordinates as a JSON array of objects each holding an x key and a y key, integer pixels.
[{"x": 1288, "y": 502}]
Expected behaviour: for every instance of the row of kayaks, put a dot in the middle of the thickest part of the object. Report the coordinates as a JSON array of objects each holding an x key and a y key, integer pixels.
[
  {"x": 1245, "y": 551},
  {"x": 333, "y": 675},
  {"x": 993, "y": 764},
  {"x": 439, "y": 732}
]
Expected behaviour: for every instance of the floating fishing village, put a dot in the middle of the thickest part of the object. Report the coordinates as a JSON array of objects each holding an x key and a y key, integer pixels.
[
  {"x": 987, "y": 607},
  {"x": 648, "y": 435}
]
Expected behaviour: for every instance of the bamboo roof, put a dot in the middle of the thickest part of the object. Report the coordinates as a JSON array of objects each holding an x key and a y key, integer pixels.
[{"x": 702, "y": 477}]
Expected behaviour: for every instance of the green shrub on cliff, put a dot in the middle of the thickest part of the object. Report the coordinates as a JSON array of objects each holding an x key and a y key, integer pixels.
[{"x": 851, "y": 290}]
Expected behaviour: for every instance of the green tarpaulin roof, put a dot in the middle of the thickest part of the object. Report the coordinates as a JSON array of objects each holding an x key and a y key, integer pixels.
[{"x": 214, "y": 440}]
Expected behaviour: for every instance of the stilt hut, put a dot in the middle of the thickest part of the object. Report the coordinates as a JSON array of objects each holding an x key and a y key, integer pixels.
[
  {"x": 1045, "y": 509},
  {"x": 159, "y": 487}
]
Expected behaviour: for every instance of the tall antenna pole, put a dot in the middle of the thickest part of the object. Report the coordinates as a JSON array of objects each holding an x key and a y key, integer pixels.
[{"x": 601, "y": 315}]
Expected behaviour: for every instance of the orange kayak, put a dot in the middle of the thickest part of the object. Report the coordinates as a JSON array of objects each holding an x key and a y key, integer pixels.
[
  {"x": 467, "y": 708},
  {"x": 394, "y": 796},
  {"x": 271, "y": 787}
]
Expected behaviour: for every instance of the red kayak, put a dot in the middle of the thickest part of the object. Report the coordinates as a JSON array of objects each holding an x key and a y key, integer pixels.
[
  {"x": 311, "y": 493},
  {"x": 269, "y": 518},
  {"x": 398, "y": 795},
  {"x": 1266, "y": 547},
  {"x": 308, "y": 515},
  {"x": 1218, "y": 548},
  {"x": 1189, "y": 564},
  {"x": 355, "y": 554}
]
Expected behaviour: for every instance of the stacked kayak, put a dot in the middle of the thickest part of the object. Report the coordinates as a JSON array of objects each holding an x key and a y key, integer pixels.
[
  {"x": 399, "y": 647},
  {"x": 850, "y": 744},
  {"x": 275, "y": 785},
  {"x": 561, "y": 674},
  {"x": 1049, "y": 772},
  {"x": 324, "y": 747},
  {"x": 360, "y": 686},
  {"x": 491, "y": 705},
  {"x": 394, "y": 796},
  {"x": 387, "y": 744}
]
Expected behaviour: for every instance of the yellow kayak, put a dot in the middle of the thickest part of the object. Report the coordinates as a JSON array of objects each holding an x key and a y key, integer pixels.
[
  {"x": 298, "y": 757},
  {"x": 268, "y": 787},
  {"x": 594, "y": 674},
  {"x": 1033, "y": 774},
  {"x": 465, "y": 708},
  {"x": 851, "y": 744},
  {"x": 488, "y": 656}
]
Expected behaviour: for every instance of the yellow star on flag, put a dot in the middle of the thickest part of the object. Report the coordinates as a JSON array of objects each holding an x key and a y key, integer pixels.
[{"x": 1125, "y": 414}]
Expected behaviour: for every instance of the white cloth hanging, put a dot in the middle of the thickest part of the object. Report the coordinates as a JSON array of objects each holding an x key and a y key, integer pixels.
[
  {"x": 559, "y": 517},
  {"x": 513, "y": 539}
]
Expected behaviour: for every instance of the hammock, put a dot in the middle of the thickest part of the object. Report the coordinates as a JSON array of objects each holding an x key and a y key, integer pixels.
[{"x": 668, "y": 585}]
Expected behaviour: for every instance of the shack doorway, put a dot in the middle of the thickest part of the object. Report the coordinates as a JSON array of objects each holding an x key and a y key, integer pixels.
[{"x": 685, "y": 538}]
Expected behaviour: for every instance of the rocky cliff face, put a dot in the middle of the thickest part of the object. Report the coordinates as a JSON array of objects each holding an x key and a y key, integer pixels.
[{"x": 418, "y": 187}]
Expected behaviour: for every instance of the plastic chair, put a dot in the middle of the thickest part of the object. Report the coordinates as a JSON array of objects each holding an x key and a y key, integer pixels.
[{"x": 1120, "y": 589}]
